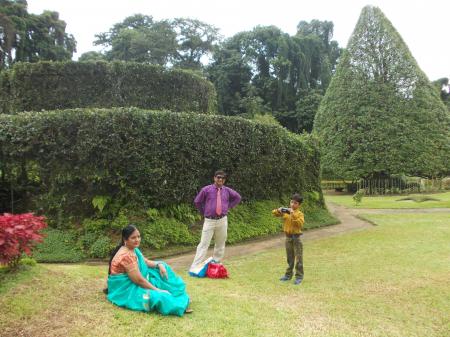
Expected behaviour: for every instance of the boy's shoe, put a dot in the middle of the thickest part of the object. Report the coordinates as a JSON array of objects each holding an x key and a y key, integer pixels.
[
  {"x": 285, "y": 278},
  {"x": 298, "y": 281}
]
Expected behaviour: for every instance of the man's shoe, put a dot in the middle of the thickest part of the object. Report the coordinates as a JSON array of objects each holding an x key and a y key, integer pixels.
[
  {"x": 298, "y": 281},
  {"x": 285, "y": 278}
]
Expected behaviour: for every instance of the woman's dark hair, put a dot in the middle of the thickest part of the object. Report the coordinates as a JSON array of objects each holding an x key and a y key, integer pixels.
[{"x": 126, "y": 233}]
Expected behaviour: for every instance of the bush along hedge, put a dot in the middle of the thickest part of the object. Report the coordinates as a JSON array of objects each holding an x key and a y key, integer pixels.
[
  {"x": 169, "y": 229},
  {"x": 95, "y": 170},
  {"x": 63, "y": 85}
]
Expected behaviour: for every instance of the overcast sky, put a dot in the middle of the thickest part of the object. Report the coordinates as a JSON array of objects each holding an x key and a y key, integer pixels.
[{"x": 424, "y": 25}]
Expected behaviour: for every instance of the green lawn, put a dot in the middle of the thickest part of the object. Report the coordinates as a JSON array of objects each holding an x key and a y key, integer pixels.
[
  {"x": 391, "y": 201},
  {"x": 389, "y": 280}
]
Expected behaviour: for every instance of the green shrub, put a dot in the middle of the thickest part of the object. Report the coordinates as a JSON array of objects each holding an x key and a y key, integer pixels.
[
  {"x": 62, "y": 160},
  {"x": 164, "y": 232},
  {"x": 319, "y": 217},
  {"x": 252, "y": 219},
  {"x": 357, "y": 197},
  {"x": 86, "y": 240},
  {"x": 182, "y": 212},
  {"x": 63, "y": 85},
  {"x": 119, "y": 222},
  {"x": 101, "y": 247},
  {"x": 95, "y": 225},
  {"x": 28, "y": 261},
  {"x": 58, "y": 246}
]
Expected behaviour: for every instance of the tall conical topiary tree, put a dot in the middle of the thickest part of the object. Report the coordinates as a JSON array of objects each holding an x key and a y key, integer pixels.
[{"x": 380, "y": 114}]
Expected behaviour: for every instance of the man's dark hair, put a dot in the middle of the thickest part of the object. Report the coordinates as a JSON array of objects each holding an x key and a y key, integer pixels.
[
  {"x": 297, "y": 197},
  {"x": 220, "y": 173}
]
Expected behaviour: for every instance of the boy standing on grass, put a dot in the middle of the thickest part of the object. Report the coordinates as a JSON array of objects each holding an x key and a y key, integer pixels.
[{"x": 293, "y": 220}]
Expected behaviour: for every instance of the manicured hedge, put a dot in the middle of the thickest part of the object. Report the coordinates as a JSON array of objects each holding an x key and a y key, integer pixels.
[
  {"x": 63, "y": 85},
  {"x": 381, "y": 116},
  {"x": 59, "y": 161}
]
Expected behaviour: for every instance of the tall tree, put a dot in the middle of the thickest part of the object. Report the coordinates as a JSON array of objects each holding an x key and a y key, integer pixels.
[
  {"x": 92, "y": 56},
  {"x": 179, "y": 42},
  {"x": 302, "y": 118},
  {"x": 231, "y": 74},
  {"x": 277, "y": 71},
  {"x": 380, "y": 114},
  {"x": 140, "y": 39},
  {"x": 31, "y": 38},
  {"x": 196, "y": 40}
]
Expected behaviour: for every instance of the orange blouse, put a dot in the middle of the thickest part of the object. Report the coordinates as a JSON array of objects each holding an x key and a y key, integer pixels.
[{"x": 124, "y": 261}]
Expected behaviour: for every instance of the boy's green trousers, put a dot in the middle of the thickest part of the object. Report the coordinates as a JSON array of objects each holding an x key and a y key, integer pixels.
[{"x": 294, "y": 254}]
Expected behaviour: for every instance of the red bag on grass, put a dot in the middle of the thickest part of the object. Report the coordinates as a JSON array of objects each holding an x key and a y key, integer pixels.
[{"x": 216, "y": 270}]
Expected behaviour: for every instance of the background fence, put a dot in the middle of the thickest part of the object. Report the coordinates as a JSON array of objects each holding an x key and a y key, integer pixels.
[{"x": 392, "y": 185}]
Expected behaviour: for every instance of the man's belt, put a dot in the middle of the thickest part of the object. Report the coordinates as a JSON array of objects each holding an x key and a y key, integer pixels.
[{"x": 215, "y": 217}]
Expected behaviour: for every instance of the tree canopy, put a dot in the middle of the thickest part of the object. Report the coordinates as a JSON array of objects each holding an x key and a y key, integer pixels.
[
  {"x": 29, "y": 37},
  {"x": 380, "y": 114},
  {"x": 180, "y": 42},
  {"x": 260, "y": 71},
  {"x": 268, "y": 70}
]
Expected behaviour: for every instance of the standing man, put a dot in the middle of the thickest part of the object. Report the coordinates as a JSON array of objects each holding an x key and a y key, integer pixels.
[{"x": 213, "y": 202}]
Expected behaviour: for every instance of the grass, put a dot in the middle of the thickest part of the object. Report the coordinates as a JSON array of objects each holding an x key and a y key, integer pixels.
[
  {"x": 389, "y": 280},
  {"x": 393, "y": 201}
]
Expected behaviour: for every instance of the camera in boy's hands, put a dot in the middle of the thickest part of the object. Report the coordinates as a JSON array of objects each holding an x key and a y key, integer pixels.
[{"x": 285, "y": 210}]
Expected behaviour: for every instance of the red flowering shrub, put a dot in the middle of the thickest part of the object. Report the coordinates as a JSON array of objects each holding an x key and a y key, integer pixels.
[{"x": 18, "y": 234}]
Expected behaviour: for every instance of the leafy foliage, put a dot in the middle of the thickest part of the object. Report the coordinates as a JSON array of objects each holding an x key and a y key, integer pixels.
[
  {"x": 267, "y": 70},
  {"x": 139, "y": 38},
  {"x": 195, "y": 40},
  {"x": 302, "y": 119},
  {"x": 58, "y": 246},
  {"x": 380, "y": 115},
  {"x": 60, "y": 85},
  {"x": 166, "y": 231},
  {"x": 63, "y": 159},
  {"x": 29, "y": 37},
  {"x": 19, "y": 233},
  {"x": 101, "y": 248},
  {"x": 100, "y": 201},
  {"x": 358, "y": 196},
  {"x": 92, "y": 56}
]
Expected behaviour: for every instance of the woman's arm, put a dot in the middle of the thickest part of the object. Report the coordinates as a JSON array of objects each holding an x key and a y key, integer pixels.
[
  {"x": 154, "y": 264},
  {"x": 136, "y": 276},
  {"x": 150, "y": 263}
]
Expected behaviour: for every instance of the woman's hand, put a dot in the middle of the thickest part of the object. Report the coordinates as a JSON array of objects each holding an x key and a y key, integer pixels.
[{"x": 163, "y": 271}]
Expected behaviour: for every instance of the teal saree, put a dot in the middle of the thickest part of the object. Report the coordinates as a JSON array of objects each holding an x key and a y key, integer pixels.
[{"x": 124, "y": 293}]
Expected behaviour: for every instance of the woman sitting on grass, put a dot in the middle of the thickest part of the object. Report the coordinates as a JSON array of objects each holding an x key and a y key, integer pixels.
[{"x": 140, "y": 284}]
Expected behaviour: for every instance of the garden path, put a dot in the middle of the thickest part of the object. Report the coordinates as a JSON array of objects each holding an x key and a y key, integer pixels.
[{"x": 349, "y": 223}]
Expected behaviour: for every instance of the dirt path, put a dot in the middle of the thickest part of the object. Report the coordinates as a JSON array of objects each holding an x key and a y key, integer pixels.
[{"x": 348, "y": 223}]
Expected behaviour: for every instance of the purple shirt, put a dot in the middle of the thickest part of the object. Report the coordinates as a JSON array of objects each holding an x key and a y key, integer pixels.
[{"x": 206, "y": 200}]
